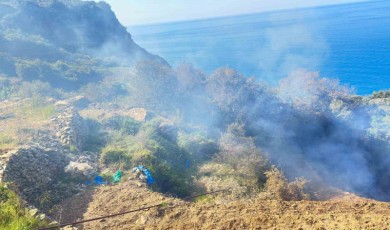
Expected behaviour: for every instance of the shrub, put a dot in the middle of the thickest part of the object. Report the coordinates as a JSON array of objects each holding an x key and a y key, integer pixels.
[
  {"x": 126, "y": 125},
  {"x": 277, "y": 187},
  {"x": 104, "y": 91},
  {"x": 381, "y": 94},
  {"x": 307, "y": 91},
  {"x": 232, "y": 93},
  {"x": 37, "y": 89},
  {"x": 112, "y": 156},
  {"x": 13, "y": 215},
  {"x": 154, "y": 86},
  {"x": 197, "y": 145},
  {"x": 154, "y": 149},
  {"x": 239, "y": 166}
]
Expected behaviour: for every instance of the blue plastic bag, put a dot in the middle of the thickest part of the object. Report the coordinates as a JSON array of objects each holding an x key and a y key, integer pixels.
[
  {"x": 146, "y": 172},
  {"x": 99, "y": 180}
]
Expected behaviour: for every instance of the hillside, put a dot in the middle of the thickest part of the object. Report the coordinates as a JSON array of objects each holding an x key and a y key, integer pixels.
[
  {"x": 345, "y": 211},
  {"x": 80, "y": 101},
  {"x": 65, "y": 43}
]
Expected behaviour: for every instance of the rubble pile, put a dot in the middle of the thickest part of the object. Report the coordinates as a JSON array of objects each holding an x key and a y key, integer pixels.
[{"x": 34, "y": 171}]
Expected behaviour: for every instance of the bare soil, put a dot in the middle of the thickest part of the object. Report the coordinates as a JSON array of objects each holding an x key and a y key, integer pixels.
[{"x": 344, "y": 212}]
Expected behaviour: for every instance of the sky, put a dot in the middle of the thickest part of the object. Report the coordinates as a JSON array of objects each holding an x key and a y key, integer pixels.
[{"x": 138, "y": 12}]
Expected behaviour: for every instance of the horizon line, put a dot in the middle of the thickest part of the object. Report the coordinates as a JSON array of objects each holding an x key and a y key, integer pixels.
[{"x": 249, "y": 14}]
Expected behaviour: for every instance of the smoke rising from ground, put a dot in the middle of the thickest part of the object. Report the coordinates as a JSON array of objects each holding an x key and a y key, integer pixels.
[{"x": 308, "y": 126}]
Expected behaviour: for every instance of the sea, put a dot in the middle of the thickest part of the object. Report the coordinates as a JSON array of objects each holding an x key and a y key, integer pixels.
[{"x": 348, "y": 42}]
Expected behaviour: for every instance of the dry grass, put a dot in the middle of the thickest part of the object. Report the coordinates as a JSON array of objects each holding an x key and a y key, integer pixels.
[
  {"x": 278, "y": 187},
  {"x": 26, "y": 115}
]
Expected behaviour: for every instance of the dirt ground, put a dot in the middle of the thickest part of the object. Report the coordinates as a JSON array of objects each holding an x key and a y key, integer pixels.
[{"x": 343, "y": 212}]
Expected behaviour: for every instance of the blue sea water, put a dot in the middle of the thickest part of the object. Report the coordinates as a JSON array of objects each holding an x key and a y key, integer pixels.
[{"x": 349, "y": 42}]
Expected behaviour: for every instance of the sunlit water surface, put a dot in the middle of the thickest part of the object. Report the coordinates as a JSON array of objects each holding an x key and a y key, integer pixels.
[{"x": 349, "y": 42}]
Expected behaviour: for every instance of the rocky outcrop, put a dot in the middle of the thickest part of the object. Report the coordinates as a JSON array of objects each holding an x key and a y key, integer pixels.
[{"x": 66, "y": 36}]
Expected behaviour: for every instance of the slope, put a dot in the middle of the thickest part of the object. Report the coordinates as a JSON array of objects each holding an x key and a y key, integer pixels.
[{"x": 346, "y": 211}]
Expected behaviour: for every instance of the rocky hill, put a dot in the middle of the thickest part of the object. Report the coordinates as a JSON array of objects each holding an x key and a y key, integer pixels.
[{"x": 65, "y": 43}]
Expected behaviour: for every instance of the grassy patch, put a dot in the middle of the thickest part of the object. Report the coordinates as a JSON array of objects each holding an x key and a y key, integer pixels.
[
  {"x": 13, "y": 215},
  {"x": 6, "y": 141},
  {"x": 118, "y": 158},
  {"x": 36, "y": 110}
]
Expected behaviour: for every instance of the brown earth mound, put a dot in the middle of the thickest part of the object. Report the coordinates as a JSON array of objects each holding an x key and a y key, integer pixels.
[{"x": 344, "y": 212}]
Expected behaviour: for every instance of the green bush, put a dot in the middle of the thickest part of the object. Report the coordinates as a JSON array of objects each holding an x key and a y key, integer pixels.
[
  {"x": 126, "y": 125},
  {"x": 12, "y": 214},
  {"x": 197, "y": 145},
  {"x": 155, "y": 150},
  {"x": 116, "y": 157}
]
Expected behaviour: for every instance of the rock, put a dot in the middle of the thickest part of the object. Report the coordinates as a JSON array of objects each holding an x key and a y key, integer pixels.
[
  {"x": 70, "y": 128},
  {"x": 42, "y": 216},
  {"x": 53, "y": 223},
  {"x": 140, "y": 114},
  {"x": 77, "y": 169},
  {"x": 33, "y": 212}
]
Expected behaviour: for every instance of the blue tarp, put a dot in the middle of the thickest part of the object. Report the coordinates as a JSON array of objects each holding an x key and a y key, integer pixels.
[
  {"x": 99, "y": 180},
  {"x": 188, "y": 163},
  {"x": 149, "y": 178}
]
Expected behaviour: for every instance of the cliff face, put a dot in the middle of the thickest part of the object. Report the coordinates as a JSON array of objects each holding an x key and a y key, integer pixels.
[{"x": 80, "y": 34}]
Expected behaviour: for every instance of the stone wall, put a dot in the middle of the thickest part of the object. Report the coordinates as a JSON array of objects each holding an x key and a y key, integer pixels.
[
  {"x": 70, "y": 129},
  {"x": 33, "y": 171},
  {"x": 50, "y": 164}
]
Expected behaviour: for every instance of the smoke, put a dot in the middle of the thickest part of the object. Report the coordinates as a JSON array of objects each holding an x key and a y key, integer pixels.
[
  {"x": 288, "y": 48},
  {"x": 309, "y": 126},
  {"x": 308, "y": 139}
]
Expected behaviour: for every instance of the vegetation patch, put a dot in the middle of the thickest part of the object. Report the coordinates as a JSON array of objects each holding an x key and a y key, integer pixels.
[
  {"x": 6, "y": 141},
  {"x": 13, "y": 215}
]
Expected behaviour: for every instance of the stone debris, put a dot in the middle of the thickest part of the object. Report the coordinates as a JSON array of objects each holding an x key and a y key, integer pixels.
[{"x": 34, "y": 171}]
